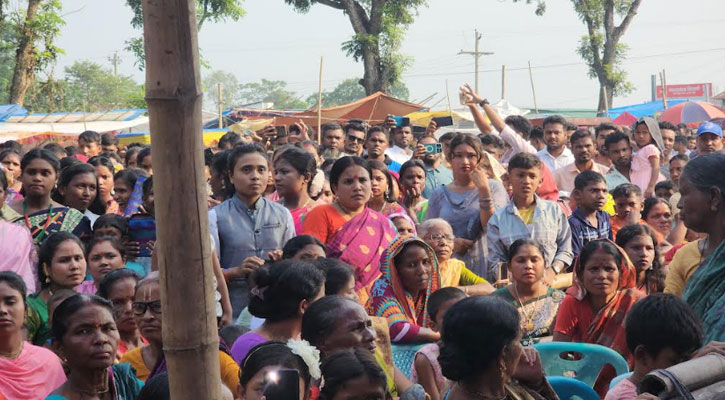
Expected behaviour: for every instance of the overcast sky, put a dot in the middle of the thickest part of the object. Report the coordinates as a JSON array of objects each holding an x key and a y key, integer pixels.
[{"x": 274, "y": 42}]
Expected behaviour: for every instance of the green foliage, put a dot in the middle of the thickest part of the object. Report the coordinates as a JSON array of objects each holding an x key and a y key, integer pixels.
[
  {"x": 8, "y": 43},
  {"x": 603, "y": 65},
  {"x": 87, "y": 86},
  {"x": 46, "y": 26},
  {"x": 269, "y": 91},
  {"x": 383, "y": 33},
  {"x": 206, "y": 10},
  {"x": 231, "y": 89},
  {"x": 350, "y": 90}
]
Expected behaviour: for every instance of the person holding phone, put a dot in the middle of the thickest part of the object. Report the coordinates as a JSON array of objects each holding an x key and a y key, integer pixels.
[
  {"x": 402, "y": 139},
  {"x": 436, "y": 174},
  {"x": 278, "y": 371}
]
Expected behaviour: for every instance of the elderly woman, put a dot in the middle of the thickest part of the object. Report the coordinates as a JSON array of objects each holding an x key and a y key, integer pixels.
[
  {"x": 336, "y": 323},
  {"x": 409, "y": 275},
  {"x": 149, "y": 361},
  {"x": 28, "y": 372},
  {"x": 702, "y": 205},
  {"x": 85, "y": 337},
  {"x": 438, "y": 233},
  {"x": 481, "y": 354}
]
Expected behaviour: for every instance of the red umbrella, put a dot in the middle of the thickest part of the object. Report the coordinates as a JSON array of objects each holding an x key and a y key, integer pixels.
[
  {"x": 625, "y": 119},
  {"x": 691, "y": 111}
]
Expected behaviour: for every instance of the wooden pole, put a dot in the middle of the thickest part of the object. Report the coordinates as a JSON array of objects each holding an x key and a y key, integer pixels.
[
  {"x": 448, "y": 96},
  {"x": 503, "y": 81},
  {"x": 664, "y": 89},
  {"x": 174, "y": 98},
  {"x": 221, "y": 104},
  {"x": 319, "y": 106},
  {"x": 533, "y": 90},
  {"x": 606, "y": 102}
]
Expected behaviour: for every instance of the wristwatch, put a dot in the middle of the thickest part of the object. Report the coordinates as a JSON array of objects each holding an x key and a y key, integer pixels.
[{"x": 483, "y": 102}]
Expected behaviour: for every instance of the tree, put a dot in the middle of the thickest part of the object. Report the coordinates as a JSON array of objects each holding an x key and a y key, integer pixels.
[
  {"x": 600, "y": 47},
  {"x": 206, "y": 10},
  {"x": 230, "y": 89},
  {"x": 87, "y": 86},
  {"x": 267, "y": 91},
  {"x": 378, "y": 27},
  {"x": 40, "y": 24},
  {"x": 350, "y": 90}
]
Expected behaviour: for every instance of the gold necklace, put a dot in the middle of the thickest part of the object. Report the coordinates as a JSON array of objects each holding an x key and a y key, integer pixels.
[
  {"x": 529, "y": 325},
  {"x": 14, "y": 354}
]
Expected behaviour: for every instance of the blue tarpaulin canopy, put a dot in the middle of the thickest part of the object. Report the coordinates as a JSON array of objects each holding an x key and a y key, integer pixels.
[
  {"x": 644, "y": 109},
  {"x": 9, "y": 110}
]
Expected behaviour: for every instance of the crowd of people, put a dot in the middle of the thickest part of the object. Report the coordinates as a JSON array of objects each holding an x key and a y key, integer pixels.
[{"x": 327, "y": 255}]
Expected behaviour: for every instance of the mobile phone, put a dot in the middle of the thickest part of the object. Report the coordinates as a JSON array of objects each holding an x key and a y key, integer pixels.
[
  {"x": 281, "y": 130},
  {"x": 462, "y": 98},
  {"x": 282, "y": 384},
  {"x": 401, "y": 121},
  {"x": 433, "y": 148},
  {"x": 443, "y": 121}
]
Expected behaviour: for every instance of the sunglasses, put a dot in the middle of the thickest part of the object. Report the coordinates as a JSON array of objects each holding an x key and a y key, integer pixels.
[
  {"x": 355, "y": 139},
  {"x": 139, "y": 307}
]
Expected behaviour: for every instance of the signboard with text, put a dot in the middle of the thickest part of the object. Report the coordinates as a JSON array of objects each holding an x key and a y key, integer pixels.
[{"x": 692, "y": 90}]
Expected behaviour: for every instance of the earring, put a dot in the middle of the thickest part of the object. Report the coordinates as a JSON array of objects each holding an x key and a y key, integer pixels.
[{"x": 502, "y": 370}]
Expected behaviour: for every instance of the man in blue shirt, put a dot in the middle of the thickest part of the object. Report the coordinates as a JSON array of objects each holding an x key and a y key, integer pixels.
[
  {"x": 437, "y": 174},
  {"x": 376, "y": 142}
]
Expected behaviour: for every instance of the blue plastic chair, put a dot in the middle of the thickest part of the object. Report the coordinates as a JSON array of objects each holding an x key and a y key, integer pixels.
[
  {"x": 404, "y": 355},
  {"x": 618, "y": 379},
  {"x": 570, "y": 389},
  {"x": 585, "y": 365}
]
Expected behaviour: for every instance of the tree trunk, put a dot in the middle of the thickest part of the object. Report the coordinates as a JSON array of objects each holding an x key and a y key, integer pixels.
[
  {"x": 24, "y": 58},
  {"x": 372, "y": 78},
  {"x": 174, "y": 96},
  {"x": 605, "y": 104}
]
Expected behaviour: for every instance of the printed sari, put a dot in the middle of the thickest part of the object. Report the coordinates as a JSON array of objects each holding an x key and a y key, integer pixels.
[
  {"x": 543, "y": 308},
  {"x": 360, "y": 243},
  {"x": 607, "y": 326},
  {"x": 705, "y": 293},
  {"x": 55, "y": 219},
  {"x": 405, "y": 314}
]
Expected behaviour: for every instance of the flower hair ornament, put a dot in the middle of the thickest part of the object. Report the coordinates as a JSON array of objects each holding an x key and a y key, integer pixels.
[{"x": 309, "y": 354}]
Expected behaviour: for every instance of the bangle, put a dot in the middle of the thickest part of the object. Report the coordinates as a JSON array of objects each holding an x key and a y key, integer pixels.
[
  {"x": 486, "y": 199},
  {"x": 483, "y": 102}
]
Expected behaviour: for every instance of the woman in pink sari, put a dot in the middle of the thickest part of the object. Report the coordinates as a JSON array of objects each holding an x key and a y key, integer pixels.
[
  {"x": 352, "y": 232},
  {"x": 27, "y": 372}
]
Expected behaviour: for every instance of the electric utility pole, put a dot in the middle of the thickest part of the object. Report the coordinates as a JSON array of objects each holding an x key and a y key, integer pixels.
[{"x": 476, "y": 55}]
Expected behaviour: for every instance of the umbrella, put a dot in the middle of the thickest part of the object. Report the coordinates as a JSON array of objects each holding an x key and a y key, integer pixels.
[
  {"x": 625, "y": 119},
  {"x": 691, "y": 111}
]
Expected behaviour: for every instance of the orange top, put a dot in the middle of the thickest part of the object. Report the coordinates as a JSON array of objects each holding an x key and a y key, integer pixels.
[
  {"x": 618, "y": 223},
  {"x": 322, "y": 222}
]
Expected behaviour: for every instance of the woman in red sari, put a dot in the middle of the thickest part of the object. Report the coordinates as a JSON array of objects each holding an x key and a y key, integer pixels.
[
  {"x": 595, "y": 307},
  {"x": 351, "y": 231}
]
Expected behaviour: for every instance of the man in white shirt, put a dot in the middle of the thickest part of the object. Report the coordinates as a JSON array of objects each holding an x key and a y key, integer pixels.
[
  {"x": 582, "y": 144},
  {"x": 556, "y": 154},
  {"x": 402, "y": 138}
]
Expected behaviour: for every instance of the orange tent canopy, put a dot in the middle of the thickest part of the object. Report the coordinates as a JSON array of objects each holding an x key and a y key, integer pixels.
[{"x": 374, "y": 109}]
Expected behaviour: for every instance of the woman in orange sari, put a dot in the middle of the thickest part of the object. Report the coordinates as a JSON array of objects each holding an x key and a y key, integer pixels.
[
  {"x": 595, "y": 307},
  {"x": 352, "y": 232}
]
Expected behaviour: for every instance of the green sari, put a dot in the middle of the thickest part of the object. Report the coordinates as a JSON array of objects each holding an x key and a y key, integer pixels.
[{"x": 705, "y": 293}]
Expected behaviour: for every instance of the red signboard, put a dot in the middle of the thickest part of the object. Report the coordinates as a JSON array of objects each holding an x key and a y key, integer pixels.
[{"x": 691, "y": 90}]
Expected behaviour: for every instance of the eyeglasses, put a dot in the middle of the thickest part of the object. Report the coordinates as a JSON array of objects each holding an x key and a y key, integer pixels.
[
  {"x": 355, "y": 139},
  {"x": 139, "y": 307},
  {"x": 441, "y": 238}
]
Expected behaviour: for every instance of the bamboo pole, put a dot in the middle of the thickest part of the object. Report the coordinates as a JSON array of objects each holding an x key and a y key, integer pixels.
[
  {"x": 606, "y": 102},
  {"x": 221, "y": 105},
  {"x": 533, "y": 90},
  {"x": 319, "y": 106},
  {"x": 503, "y": 82},
  {"x": 174, "y": 97},
  {"x": 448, "y": 97},
  {"x": 664, "y": 89}
]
